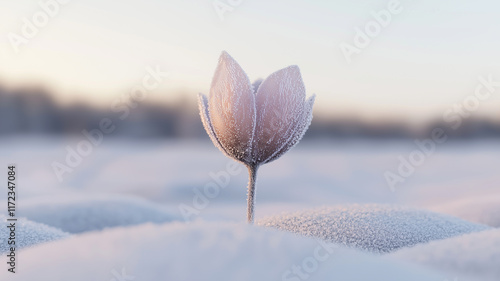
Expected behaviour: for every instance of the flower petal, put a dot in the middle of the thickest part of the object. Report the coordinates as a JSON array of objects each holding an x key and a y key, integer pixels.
[
  {"x": 205, "y": 119},
  {"x": 299, "y": 130},
  {"x": 232, "y": 108},
  {"x": 280, "y": 105}
]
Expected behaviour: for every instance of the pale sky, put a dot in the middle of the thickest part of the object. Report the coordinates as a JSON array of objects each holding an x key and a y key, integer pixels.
[{"x": 428, "y": 57}]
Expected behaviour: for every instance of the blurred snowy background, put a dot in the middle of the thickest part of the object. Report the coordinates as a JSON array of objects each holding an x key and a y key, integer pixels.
[{"x": 153, "y": 199}]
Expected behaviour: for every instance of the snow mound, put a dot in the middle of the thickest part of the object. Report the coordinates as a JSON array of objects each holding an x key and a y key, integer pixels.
[
  {"x": 205, "y": 251},
  {"x": 485, "y": 210},
  {"x": 27, "y": 233},
  {"x": 375, "y": 228},
  {"x": 95, "y": 212},
  {"x": 475, "y": 256}
]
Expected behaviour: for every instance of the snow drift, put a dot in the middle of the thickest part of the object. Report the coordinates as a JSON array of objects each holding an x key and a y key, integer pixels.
[
  {"x": 82, "y": 213},
  {"x": 205, "y": 251},
  {"x": 475, "y": 256},
  {"x": 27, "y": 233},
  {"x": 375, "y": 228},
  {"x": 485, "y": 210}
]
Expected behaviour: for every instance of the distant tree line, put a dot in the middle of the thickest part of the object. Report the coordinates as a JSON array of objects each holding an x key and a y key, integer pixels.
[{"x": 34, "y": 111}]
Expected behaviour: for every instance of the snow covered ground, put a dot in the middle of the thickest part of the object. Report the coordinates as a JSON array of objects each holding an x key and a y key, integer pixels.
[
  {"x": 83, "y": 213},
  {"x": 163, "y": 210},
  {"x": 27, "y": 233},
  {"x": 374, "y": 228},
  {"x": 475, "y": 256},
  {"x": 483, "y": 209}
]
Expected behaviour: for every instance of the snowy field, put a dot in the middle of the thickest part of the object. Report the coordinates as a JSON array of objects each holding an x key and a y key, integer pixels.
[{"x": 165, "y": 210}]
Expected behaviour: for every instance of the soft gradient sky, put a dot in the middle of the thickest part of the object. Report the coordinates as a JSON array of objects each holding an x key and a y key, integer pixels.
[{"x": 428, "y": 58}]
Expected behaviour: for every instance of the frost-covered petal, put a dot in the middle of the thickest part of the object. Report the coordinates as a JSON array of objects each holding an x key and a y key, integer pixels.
[
  {"x": 205, "y": 119},
  {"x": 232, "y": 108},
  {"x": 298, "y": 131},
  {"x": 280, "y": 107}
]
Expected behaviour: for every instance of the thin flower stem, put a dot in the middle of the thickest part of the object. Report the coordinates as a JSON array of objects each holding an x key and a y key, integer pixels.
[{"x": 252, "y": 178}]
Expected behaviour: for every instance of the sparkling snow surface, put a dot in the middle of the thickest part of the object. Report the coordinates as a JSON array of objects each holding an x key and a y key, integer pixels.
[
  {"x": 27, "y": 233},
  {"x": 376, "y": 228}
]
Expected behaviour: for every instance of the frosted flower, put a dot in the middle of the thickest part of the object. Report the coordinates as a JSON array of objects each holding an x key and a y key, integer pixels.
[{"x": 255, "y": 126}]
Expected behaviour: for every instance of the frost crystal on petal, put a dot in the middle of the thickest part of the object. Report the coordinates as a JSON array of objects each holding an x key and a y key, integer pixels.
[
  {"x": 299, "y": 130},
  {"x": 280, "y": 110},
  {"x": 232, "y": 108},
  {"x": 205, "y": 119},
  {"x": 256, "y": 85}
]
